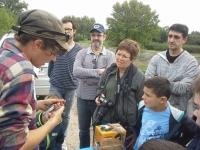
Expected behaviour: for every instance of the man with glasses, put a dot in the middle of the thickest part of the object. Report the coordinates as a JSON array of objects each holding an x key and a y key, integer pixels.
[
  {"x": 195, "y": 143},
  {"x": 89, "y": 64},
  {"x": 60, "y": 72}
]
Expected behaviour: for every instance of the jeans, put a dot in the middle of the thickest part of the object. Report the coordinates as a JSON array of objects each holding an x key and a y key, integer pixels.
[
  {"x": 86, "y": 109},
  {"x": 68, "y": 95}
]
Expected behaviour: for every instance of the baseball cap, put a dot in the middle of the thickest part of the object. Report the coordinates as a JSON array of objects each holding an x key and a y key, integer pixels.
[
  {"x": 99, "y": 27},
  {"x": 42, "y": 24}
]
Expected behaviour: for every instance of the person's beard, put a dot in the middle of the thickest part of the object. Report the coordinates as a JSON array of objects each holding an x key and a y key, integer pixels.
[{"x": 97, "y": 44}]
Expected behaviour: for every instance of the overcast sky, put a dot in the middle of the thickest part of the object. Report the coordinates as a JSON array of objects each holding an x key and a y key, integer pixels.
[{"x": 169, "y": 11}]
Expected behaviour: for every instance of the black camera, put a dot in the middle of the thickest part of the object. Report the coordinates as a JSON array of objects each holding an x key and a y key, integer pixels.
[{"x": 103, "y": 109}]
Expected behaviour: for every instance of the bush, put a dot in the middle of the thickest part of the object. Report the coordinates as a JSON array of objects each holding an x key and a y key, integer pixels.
[{"x": 163, "y": 46}]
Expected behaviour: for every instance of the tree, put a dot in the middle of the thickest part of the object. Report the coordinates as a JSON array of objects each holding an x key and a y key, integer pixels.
[
  {"x": 7, "y": 19},
  {"x": 163, "y": 34},
  {"x": 15, "y": 6},
  {"x": 83, "y": 26},
  {"x": 194, "y": 38},
  {"x": 132, "y": 20}
]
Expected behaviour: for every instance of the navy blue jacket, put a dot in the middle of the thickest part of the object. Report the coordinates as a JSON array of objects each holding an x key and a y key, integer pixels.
[
  {"x": 181, "y": 128},
  {"x": 195, "y": 143},
  {"x": 53, "y": 140}
]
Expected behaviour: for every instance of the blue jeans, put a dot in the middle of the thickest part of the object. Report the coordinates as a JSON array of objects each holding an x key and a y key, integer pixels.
[
  {"x": 68, "y": 95},
  {"x": 86, "y": 109}
]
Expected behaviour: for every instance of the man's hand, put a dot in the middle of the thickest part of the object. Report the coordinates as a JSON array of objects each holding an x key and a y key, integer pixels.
[
  {"x": 42, "y": 104},
  {"x": 101, "y": 70},
  {"x": 132, "y": 143}
]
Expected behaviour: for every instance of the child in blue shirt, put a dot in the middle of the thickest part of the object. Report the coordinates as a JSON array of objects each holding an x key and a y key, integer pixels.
[{"x": 157, "y": 119}]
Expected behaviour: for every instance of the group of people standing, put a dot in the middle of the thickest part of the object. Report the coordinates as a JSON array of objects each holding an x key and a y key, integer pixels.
[{"x": 97, "y": 76}]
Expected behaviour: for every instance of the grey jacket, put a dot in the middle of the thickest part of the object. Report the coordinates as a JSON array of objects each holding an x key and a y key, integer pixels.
[{"x": 181, "y": 74}]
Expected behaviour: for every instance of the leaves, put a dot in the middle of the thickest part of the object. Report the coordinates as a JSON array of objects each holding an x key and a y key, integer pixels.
[{"x": 132, "y": 20}]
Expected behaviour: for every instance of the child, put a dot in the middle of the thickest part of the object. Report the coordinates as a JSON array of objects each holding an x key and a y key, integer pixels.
[
  {"x": 195, "y": 143},
  {"x": 53, "y": 140},
  {"x": 160, "y": 145},
  {"x": 157, "y": 119}
]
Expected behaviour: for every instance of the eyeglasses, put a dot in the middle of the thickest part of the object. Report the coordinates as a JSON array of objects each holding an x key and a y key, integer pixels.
[
  {"x": 96, "y": 35},
  {"x": 123, "y": 56},
  {"x": 94, "y": 61},
  {"x": 68, "y": 29}
]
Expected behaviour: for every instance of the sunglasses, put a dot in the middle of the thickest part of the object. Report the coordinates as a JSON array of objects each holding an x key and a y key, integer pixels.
[{"x": 94, "y": 61}]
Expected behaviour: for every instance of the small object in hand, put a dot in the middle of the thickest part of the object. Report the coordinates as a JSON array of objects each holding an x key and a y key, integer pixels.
[{"x": 48, "y": 110}]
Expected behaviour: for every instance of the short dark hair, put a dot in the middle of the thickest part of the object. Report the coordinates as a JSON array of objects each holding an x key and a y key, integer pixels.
[
  {"x": 196, "y": 85},
  {"x": 131, "y": 46},
  {"x": 66, "y": 21},
  {"x": 160, "y": 145},
  {"x": 180, "y": 28},
  {"x": 160, "y": 86}
]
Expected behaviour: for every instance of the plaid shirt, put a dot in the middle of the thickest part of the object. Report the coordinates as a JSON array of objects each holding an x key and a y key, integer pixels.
[{"x": 17, "y": 97}]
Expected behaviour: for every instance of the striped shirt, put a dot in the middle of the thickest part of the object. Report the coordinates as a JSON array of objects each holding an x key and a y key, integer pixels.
[
  {"x": 61, "y": 71},
  {"x": 83, "y": 69},
  {"x": 17, "y": 102}
]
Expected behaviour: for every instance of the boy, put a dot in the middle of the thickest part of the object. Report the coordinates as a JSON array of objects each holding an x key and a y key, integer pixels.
[
  {"x": 195, "y": 143},
  {"x": 157, "y": 119},
  {"x": 55, "y": 138}
]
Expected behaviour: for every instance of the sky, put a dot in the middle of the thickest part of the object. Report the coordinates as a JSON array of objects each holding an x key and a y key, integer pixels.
[{"x": 169, "y": 11}]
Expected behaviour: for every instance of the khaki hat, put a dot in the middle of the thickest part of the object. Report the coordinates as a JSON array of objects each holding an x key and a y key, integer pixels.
[{"x": 42, "y": 24}]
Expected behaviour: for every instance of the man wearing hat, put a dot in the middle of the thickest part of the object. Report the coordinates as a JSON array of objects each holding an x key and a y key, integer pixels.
[
  {"x": 39, "y": 38},
  {"x": 88, "y": 67}
]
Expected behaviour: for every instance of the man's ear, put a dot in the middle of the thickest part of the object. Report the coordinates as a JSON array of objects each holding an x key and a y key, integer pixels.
[
  {"x": 37, "y": 44},
  {"x": 163, "y": 99},
  {"x": 185, "y": 40}
]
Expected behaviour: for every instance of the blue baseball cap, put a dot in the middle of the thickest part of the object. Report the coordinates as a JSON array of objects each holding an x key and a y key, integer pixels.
[{"x": 99, "y": 27}]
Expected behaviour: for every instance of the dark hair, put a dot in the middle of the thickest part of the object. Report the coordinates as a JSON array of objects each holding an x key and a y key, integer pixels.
[
  {"x": 160, "y": 86},
  {"x": 180, "y": 28},
  {"x": 131, "y": 46},
  {"x": 160, "y": 145},
  {"x": 66, "y": 21},
  {"x": 24, "y": 38},
  {"x": 196, "y": 85}
]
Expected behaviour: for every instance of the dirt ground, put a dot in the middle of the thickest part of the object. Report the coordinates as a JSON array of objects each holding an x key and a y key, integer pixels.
[{"x": 72, "y": 138}]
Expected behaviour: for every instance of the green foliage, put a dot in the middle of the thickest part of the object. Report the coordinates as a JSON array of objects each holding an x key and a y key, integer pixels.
[
  {"x": 7, "y": 19},
  {"x": 132, "y": 20},
  {"x": 163, "y": 46},
  {"x": 194, "y": 38},
  {"x": 83, "y": 26},
  {"x": 15, "y": 6}
]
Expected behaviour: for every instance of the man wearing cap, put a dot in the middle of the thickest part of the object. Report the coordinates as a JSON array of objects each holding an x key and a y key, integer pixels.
[
  {"x": 39, "y": 38},
  {"x": 88, "y": 67}
]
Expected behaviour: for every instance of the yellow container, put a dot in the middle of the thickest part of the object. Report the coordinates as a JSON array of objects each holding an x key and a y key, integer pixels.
[{"x": 109, "y": 137}]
